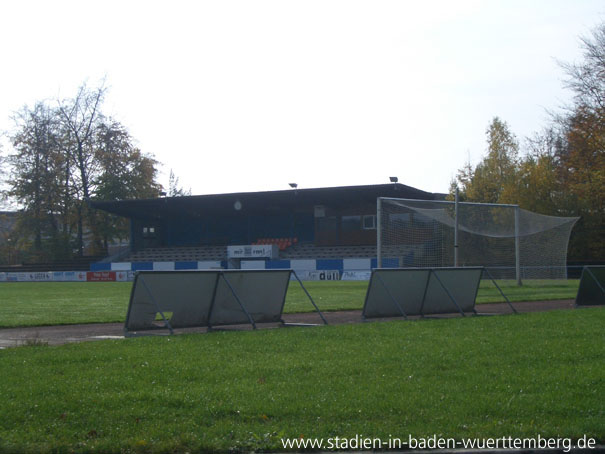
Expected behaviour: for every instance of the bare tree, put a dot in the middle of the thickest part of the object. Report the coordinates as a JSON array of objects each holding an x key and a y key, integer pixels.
[
  {"x": 174, "y": 189},
  {"x": 587, "y": 79},
  {"x": 80, "y": 118}
]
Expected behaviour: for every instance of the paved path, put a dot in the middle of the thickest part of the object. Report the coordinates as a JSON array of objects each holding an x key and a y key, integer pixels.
[{"x": 63, "y": 334}]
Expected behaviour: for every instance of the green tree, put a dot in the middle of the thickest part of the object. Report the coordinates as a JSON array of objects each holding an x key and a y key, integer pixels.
[
  {"x": 539, "y": 185},
  {"x": 493, "y": 180},
  {"x": 124, "y": 173},
  {"x": 63, "y": 156},
  {"x": 36, "y": 180}
]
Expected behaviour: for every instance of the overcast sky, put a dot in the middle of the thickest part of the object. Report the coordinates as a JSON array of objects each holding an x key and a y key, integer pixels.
[{"x": 253, "y": 95}]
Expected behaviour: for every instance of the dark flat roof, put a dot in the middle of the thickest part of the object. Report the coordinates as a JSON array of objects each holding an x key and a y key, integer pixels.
[{"x": 266, "y": 202}]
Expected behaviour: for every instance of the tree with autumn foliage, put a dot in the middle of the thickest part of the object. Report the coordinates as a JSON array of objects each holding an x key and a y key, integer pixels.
[
  {"x": 539, "y": 187},
  {"x": 493, "y": 177},
  {"x": 493, "y": 180},
  {"x": 124, "y": 172},
  {"x": 582, "y": 159},
  {"x": 38, "y": 182},
  {"x": 562, "y": 171},
  {"x": 64, "y": 155}
]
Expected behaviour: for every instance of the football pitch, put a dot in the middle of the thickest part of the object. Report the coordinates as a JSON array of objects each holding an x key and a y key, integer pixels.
[{"x": 55, "y": 303}]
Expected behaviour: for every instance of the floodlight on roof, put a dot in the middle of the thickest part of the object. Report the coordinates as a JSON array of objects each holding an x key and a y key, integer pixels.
[
  {"x": 394, "y": 179},
  {"x": 293, "y": 185}
]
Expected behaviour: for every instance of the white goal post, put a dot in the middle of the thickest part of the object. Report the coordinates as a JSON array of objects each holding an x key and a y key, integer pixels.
[{"x": 512, "y": 243}]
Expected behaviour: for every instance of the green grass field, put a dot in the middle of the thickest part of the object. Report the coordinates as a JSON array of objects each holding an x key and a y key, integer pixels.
[
  {"x": 520, "y": 376},
  {"x": 53, "y": 303}
]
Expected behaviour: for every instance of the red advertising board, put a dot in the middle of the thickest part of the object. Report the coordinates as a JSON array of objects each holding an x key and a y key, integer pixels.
[{"x": 101, "y": 276}]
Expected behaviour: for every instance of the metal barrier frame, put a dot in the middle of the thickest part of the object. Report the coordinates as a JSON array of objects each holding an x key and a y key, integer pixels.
[
  {"x": 432, "y": 272},
  {"x": 587, "y": 271},
  {"x": 220, "y": 274}
]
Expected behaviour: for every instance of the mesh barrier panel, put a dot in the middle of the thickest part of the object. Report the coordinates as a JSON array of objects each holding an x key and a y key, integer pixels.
[
  {"x": 392, "y": 291},
  {"x": 187, "y": 295},
  {"x": 591, "y": 291},
  {"x": 421, "y": 234},
  {"x": 404, "y": 291},
  {"x": 262, "y": 293},
  {"x": 462, "y": 285},
  {"x": 206, "y": 298}
]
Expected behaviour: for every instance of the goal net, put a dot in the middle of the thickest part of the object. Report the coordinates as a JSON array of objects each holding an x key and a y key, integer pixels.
[{"x": 509, "y": 241}]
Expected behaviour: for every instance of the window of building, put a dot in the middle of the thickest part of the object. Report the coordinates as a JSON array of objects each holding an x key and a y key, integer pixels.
[
  {"x": 148, "y": 231},
  {"x": 369, "y": 222},
  {"x": 350, "y": 223}
]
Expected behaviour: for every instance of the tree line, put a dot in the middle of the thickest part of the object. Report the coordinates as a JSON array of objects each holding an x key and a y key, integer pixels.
[
  {"x": 561, "y": 169},
  {"x": 64, "y": 153}
]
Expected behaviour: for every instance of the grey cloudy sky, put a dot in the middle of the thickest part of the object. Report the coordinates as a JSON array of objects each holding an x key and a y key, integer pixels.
[{"x": 251, "y": 95}]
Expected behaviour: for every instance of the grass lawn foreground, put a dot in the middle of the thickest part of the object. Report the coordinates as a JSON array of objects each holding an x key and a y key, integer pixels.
[{"x": 514, "y": 375}]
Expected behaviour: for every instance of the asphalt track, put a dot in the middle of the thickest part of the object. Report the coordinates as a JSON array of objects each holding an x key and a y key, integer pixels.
[{"x": 63, "y": 334}]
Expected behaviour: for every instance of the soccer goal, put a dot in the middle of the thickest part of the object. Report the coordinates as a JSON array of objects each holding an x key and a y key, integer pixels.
[{"x": 510, "y": 242}]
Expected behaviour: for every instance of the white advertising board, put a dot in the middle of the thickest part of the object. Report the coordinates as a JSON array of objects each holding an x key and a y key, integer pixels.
[
  {"x": 356, "y": 275},
  {"x": 323, "y": 275},
  {"x": 253, "y": 251}
]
